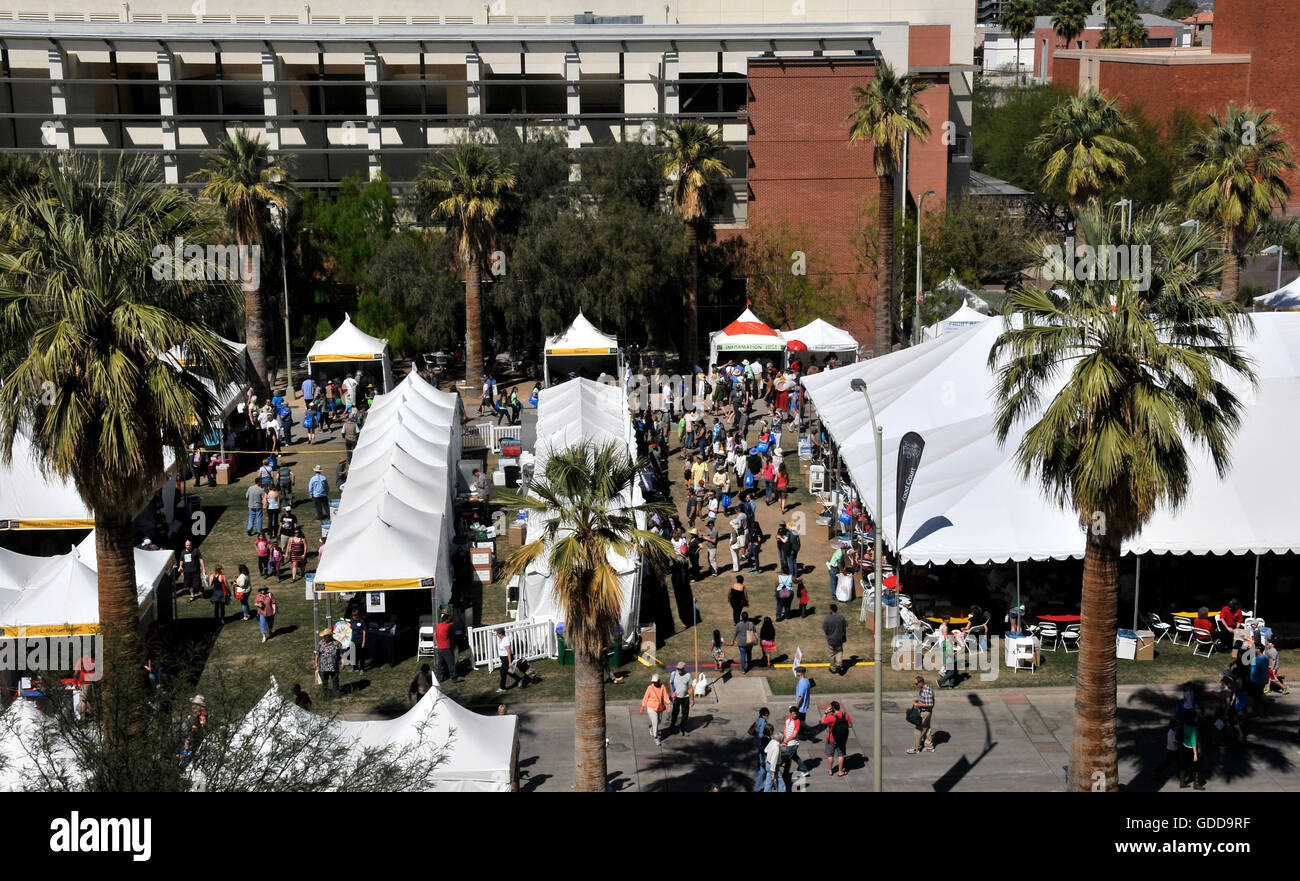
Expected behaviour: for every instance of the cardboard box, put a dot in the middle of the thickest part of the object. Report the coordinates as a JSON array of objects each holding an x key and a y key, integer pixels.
[
  {"x": 481, "y": 560},
  {"x": 1146, "y": 647},
  {"x": 223, "y": 475},
  {"x": 516, "y": 533}
]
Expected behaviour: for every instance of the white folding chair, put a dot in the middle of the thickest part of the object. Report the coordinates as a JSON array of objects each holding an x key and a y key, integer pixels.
[
  {"x": 427, "y": 645},
  {"x": 1161, "y": 628},
  {"x": 1070, "y": 637},
  {"x": 1204, "y": 640},
  {"x": 1021, "y": 654},
  {"x": 1047, "y": 631},
  {"x": 1184, "y": 632}
]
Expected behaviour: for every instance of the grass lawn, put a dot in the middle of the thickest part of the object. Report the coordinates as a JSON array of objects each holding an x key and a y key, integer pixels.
[{"x": 235, "y": 649}]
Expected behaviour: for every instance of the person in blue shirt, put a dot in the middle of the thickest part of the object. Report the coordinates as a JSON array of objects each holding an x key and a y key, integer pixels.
[
  {"x": 308, "y": 390},
  {"x": 802, "y": 693},
  {"x": 319, "y": 490}
]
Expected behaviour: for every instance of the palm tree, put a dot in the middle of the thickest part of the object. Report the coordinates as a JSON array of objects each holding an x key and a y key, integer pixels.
[
  {"x": 85, "y": 312},
  {"x": 1124, "y": 27},
  {"x": 1069, "y": 20},
  {"x": 887, "y": 110},
  {"x": 1234, "y": 177},
  {"x": 581, "y": 499},
  {"x": 1082, "y": 147},
  {"x": 1018, "y": 20},
  {"x": 1117, "y": 382},
  {"x": 692, "y": 162},
  {"x": 244, "y": 179},
  {"x": 466, "y": 188}
]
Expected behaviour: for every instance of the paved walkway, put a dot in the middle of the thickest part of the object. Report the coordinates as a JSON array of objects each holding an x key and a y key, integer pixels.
[{"x": 986, "y": 741}]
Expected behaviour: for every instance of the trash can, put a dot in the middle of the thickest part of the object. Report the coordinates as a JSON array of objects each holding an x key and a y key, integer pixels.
[
  {"x": 616, "y": 653},
  {"x": 889, "y": 611},
  {"x": 324, "y": 529},
  {"x": 565, "y": 653}
]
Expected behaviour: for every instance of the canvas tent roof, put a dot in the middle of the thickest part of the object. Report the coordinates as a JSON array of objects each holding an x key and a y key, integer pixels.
[
  {"x": 1284, "y": 298},
  {"x": 581, "y": 338},
  {"x": 966, "y": 477},
  {"x": 963, "y": 318},
  {"x": 32, "y": 755},
  {"x": 351, "y": 343},
  {"x": 567, "y": 415},
  {"x": 822, "y": 336},
  {"x": 32, "y": 499},
  {"x": 968, "y": 296},
  {"x": 60, "y": 595},
  {"x": 394, "y": 527}
]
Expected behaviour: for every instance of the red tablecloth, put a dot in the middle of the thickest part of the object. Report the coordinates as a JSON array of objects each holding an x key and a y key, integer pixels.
[{"x": 1059, "y": 619}]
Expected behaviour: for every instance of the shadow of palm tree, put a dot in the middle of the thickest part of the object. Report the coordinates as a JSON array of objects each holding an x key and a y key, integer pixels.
[{"x": 727, "y": 760}]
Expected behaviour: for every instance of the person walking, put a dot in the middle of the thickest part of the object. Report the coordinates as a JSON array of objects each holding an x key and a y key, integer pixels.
[
  {"x": 655, "y": 702},
  {"x": 243, "y": 586},
  {"x": 769, "y": 780},
  {"x": 265, "y": 605},
  {"x": 256, "y": 496},
  {"x": 784, "y": 593},
  {"x": 767, "y": 641},
  {"x": 263, "y": 548},
  {"x": 782, "y": 486},
  {"x": 220, "y": 594},
  {"x": 711, "y": 546},
  {"x": 746, "y": 638},
  {"x": 925, "y": 704},
  {"x": 739, "y": 539},
  {"x": 1190, "y": 756},
  {"x": 319, "y": 490},
  {"x": 737, "y": 598},
  {"x": 287, "y": 481},
  {"x": 790, "y": 743},
  {"x": 297, "y": 553},
  {"x": 326, "y": 660},
  {"x": 192, "y": 569},
  {"x": 443, "y": 638},
  {"x": 835, "y": 628},
  {"x": 759, "y": 729},
  {"x": 506, "y": 659},
  {"x": 802, "y": 693},
  {"x": 357, "y": 629},
  {"x": 787, "y": 547},
  {"x": 837, "y": 724},
  {"x": 679, "y": 684}
]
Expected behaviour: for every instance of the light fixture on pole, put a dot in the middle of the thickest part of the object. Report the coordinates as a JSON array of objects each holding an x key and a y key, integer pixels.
[
  {"x": 1193, "y": 224},
  {"x": 1125, "y": 207},
  {"x": 1269, "y": 252},
  {"x": 877, "y": 719},
  {"x": 281, "y": 219},
  {"x": 916, "y": 314}
]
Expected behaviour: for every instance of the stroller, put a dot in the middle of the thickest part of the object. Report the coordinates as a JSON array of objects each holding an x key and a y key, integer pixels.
[{"x": 527, "y": 673}]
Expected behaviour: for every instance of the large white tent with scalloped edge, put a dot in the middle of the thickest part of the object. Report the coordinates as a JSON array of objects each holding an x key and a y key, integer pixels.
[
  {"x": 968, "y": 502},
  {"x": 355, "y": 349},
  {"x": 1285, "y": 298}
]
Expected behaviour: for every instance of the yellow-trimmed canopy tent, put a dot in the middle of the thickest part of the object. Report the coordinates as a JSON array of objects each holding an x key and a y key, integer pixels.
[
  {"x": 582, "y": 349},
  {"x": 352, "y": 349}
]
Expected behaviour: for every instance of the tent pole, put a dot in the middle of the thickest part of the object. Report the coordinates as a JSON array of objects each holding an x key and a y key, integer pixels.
[
  {"x": 1018, "y": 621},
  {"x": 1137, "y": 590},
  {"x": 1255, "y": 604}
]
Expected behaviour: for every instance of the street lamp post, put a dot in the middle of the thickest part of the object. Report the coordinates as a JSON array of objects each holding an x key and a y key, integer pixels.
[
  {"x": 1125, "y": 207},
  {"x": 916, "y": 314},
  {"x": 1193, "y": 224},
  {"x": 877, "y": 718},
  {"x": 1269, "y": 252},
  {"x": 281, "y": 219}
]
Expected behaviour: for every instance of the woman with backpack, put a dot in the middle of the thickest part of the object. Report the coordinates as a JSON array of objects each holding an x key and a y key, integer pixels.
[
  {"x": 784, "y": 594},
  {"x": 220, "y": 594},
  {"x": 837, "y": 724}
]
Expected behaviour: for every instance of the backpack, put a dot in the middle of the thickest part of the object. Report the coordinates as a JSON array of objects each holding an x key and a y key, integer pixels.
[{"x": 840, "y": 730}]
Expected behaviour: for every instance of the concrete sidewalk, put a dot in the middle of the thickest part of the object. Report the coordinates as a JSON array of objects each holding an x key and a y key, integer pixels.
[{"x": 986, "y": 741}]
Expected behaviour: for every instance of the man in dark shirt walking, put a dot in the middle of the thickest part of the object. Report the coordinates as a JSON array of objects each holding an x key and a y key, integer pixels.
[{"x": 835, "y": 628}]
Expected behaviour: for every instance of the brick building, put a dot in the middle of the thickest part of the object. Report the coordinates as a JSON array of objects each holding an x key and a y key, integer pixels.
[
  {"x": 1252, "y": 60},
  {"x": 1161, "y": 33}
]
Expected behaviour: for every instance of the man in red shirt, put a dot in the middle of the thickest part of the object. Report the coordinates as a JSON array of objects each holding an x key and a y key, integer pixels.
[
  {"x": 837, "y": 724},
  {"x": 446, "y": 650},
  {"x": 1230, "y": 618}
]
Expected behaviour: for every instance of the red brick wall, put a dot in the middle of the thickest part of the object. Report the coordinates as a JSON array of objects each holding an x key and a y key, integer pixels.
[
  {"x": 1066, "y": 72},
  {"x": 1091, "y": 38},
  {"x": 1160, "y": 89},
  {"x": 803, "y": 172}
]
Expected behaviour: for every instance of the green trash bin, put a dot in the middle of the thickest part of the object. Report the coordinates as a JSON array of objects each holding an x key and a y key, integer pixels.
[
  {"x": 565, "y": 653},
  {"x": 616, "y": 653}
]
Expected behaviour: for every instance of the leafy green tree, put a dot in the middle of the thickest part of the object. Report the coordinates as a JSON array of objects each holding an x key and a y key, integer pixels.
[
  {"x": 887, "y": 110},
  {"x": 1145, "y": 375},
  {"x": 87, "y": 305},
  {"x": 582, "y": 495},
  {"x": 244, "y": 178},
  {"x": 626, "y": 172},
  {"x": 1124, "y": 28},
  {"x": 412, "y": 297},
  {"x": 466, "y": 188},
  {"x": 1018, "y": 20},
  {"x": 692, "y": 161},
  {"x": 1234, "y": 175},
  {"x": 1069, "y": 18},
  {"x": 1180, "y": 9},
  {"x": 1082, "y": 147},
  {"x": 785, "y": 284}
]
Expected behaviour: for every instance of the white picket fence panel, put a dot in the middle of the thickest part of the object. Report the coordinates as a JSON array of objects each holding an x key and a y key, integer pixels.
[
  {"x": 529, "y": 640},
  {"x": 491, "y": 433}
]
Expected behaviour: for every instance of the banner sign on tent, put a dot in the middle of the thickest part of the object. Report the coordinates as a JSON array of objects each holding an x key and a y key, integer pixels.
[{"x": 909, "y": 459}]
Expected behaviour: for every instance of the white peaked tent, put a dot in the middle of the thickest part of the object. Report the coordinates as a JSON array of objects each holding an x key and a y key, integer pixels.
[
  {"x": 582, "y": 345},
  {"x": 743, "y": 337},
  {"x": 394, "y": 526},
  {"x": 32, "y": 499},
  {"x": 822, "y": 337},
  {"x": 963, "y": 318},
  {"x": 59, "y": 596},
  {"x": 568, "y": 415},
  {"x": 944, "y": 390},
  {"x": 1284, "y": 298},
  {"x": 478, "y": 752},
  {"x": 967, "y": 295},
  {"x": 351, "y": 344}
]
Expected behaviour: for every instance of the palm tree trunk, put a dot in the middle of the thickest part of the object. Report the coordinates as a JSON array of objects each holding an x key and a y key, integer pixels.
[
  {"x": 589, "y": 722},
  {"x": 692, "y": 296},
  {"x": 1231, "y": 271},
  {"x": 473, "y": 326},
  {"x": 884, "y": 320},
  {"x": 121, "y": 701},
  {"x": 254, "y": 330},
  {"x": 1094, "y": 763}
]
